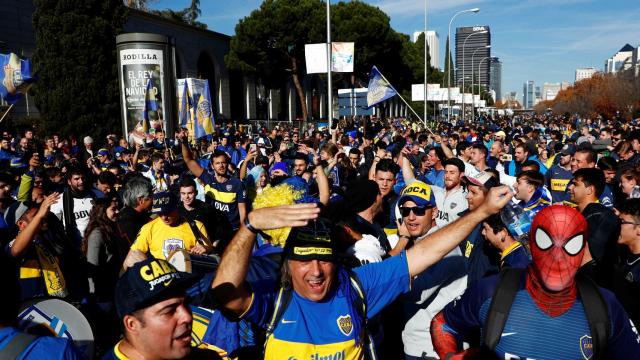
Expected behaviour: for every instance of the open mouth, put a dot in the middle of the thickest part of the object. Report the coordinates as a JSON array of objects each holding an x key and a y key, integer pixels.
[
  {"x": 184, "y": 338},
  {"x": 316, "y": 284}
]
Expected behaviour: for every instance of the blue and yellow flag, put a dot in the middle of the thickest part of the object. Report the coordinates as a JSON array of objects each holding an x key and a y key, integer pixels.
[
  {"x": 150, "y": 104},
  {"x": 204, "y": 124},
  {"x": 185, "y": 106},
  {"x": 379, "y": 88},
  {"x": 15, "y": 77}
]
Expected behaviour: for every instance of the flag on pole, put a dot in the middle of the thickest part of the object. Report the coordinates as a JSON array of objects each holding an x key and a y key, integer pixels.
[
  {"x": 15, "y": 77},
  {"x": 150, "y": 104},
  {"x": 379, "y": 88},
  {"x": 204, "y": 124},
  {"x": 185, "y": 106}
]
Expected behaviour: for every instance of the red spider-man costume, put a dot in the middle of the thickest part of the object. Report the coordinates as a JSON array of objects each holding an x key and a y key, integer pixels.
[{"x": 557, "y": 241}]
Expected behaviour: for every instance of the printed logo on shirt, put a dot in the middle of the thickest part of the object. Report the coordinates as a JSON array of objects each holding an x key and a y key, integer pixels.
[
  {"x": 229, "y": 187},
  {"x": 170, "y": 245},
  {"x": 345, "y": 324},
  {"x": 586, "y": 346}
]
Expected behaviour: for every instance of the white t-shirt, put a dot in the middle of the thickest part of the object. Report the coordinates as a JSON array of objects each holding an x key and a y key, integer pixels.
[
  {"x": 81, "y": 210},
  {"x": 450, "y": 204}
]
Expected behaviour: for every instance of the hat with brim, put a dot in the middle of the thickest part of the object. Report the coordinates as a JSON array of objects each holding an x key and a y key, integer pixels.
[
  {"x": 149, "y": 282},
  {"x": 164, "y": 203},
  {"x": 418, "y": 192},
  {"x": 310, "y": 242}
]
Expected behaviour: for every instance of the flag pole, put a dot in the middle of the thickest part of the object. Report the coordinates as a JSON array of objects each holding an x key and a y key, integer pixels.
[
  {"x": 6, "y": 112},
  {"x": 405, "y": 101}
]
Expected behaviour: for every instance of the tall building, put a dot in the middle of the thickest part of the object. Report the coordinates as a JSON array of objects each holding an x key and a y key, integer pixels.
[
  {"x": 495, "y": 77},
  {"x": 550, "y": 91},
  {"x": 620, "y": 61},
  {"x": 464, "y": 61},
  {"x": 433, "y": 41},
  {"x": 585, "y": 73},
  {"x": 528, "y": 97}
]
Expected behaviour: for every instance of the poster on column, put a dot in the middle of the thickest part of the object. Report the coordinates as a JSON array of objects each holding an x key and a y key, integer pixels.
[{"x": 139, "y": 66}]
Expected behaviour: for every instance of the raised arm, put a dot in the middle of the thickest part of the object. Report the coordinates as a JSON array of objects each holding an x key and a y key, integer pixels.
[
  {"x": 323, "y": 185},
  {"x": 229, "y": 285},
  {"x": 25, "y": 236},
  {"x": 193, "y": 165},
  {"x": 407, "y": 172},
  {"x": 243, "y": 168},
  {"x": 445, "y": 147},
  {"x": 435, "y": 246}
]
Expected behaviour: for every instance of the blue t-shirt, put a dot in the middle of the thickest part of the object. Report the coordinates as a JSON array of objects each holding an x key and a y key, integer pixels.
[
  {"x": 45, "y": 347},
  {"x": 323, "y": 329},
  {"x": 530, "y": 333}
]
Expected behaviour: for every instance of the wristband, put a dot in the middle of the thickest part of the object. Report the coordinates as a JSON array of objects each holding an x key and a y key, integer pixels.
[{"x": 250, "y": 227}]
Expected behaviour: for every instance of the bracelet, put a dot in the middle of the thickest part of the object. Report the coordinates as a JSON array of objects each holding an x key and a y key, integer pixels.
[{"x": 250, "y": 227}]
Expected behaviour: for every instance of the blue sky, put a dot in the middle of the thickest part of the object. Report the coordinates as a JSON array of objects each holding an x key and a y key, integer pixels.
[{"x": 540, "y": 40}]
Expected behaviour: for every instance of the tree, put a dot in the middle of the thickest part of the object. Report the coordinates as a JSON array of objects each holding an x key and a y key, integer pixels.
[
  {"x": 270, "y": 41},
  {"x": 194, "y": 11},
  {"x": 138, "y": 4},
  {"x": 76, "y": 62},
  {"x": 448, "y": 64}
]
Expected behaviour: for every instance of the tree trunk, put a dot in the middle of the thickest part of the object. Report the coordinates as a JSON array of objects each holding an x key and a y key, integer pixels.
[{"x": 299, "y": 90}]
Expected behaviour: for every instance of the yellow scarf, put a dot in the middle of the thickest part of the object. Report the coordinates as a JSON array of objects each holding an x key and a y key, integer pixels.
[{"x": 51, "y": 273}]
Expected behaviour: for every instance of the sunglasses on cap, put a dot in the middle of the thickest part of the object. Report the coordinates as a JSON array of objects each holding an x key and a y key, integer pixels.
[{"x": 417, "y": 210}]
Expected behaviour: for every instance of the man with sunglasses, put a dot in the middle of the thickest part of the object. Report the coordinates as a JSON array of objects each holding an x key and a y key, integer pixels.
[{"x": 432, "y": 290}]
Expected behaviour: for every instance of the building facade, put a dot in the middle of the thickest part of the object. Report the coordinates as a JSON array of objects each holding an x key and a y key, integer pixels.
[
  {"x": 470, "y": 40},
  {"x": 550, "y": 91},
  {"x": 528, "y": 94},
  {"x": 585, "y": 73},
  {"x": 495, "y": 77},
  {"x": 433, "y": 42},
  {"x": 620, "y": 61}
]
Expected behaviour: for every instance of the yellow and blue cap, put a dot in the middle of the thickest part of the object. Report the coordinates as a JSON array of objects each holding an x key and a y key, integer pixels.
[{"x": 418, "y": 192}]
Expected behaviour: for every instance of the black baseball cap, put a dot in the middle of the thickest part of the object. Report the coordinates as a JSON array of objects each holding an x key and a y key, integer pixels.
[
  {"x": 164, "y": 202},
  {"x": 149, "y": 282},
  {"x": 310, "y": 242}
]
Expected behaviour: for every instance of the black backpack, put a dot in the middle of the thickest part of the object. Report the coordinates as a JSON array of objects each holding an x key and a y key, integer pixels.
[{"x": 595, "y": 308}]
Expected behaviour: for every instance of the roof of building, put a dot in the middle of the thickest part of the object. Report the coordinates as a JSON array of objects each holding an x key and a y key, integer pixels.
[{"x": 626, "y": 48}]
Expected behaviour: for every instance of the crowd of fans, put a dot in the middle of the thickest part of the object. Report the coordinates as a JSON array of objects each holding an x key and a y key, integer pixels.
[{"x": 344, "y": 243}]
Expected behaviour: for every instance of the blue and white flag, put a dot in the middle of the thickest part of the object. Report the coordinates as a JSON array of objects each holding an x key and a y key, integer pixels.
[
  {"x": 15, "y": 77},
  {"x": 379, "y": 89}
]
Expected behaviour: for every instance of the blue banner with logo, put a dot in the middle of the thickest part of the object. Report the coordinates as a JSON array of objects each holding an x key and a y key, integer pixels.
[
  {"x": 379, "y": 88},
  {"x": 15, "y": 77}
]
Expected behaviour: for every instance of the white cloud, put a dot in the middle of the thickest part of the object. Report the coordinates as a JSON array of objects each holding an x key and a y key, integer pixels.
[{"x": 400, "y": 8}]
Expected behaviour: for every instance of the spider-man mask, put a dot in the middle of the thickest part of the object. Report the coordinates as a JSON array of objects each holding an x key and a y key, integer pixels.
[{"x": 557, "y": 239}]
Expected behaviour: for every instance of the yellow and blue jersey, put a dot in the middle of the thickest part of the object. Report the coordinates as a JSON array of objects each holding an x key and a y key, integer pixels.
[
  {"x": 324, "y": 329},
  {"x": 225, "y": 196}
]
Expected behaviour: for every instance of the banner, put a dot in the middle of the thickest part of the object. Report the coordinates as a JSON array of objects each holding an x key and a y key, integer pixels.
[
  {"x": 15, "y": 77},
  {"x": 139, "y": 66},
  {"x": 433, "y": 92},
  {"x": 195, "y": 104},
  {"x": 379, "y": 89},
  {"x": 316, "y": 58},
  {"x": 342, "y": 56}
]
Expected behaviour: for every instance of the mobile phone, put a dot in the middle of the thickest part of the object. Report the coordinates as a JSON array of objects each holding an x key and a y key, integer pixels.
[
  {"x": 506, "y": 157},
  {"x": 252, "y": 147}
]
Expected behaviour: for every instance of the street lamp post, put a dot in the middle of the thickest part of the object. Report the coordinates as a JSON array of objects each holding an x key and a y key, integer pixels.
[
  {"x": 479, "y": 76},
  {"x": 474, "y": 10},
  {"x": 329, "y": 84},
  {"x": 472, "y": 70},
  {"x": 426, "y": 66},
  {"x": 464, "y": 45}
]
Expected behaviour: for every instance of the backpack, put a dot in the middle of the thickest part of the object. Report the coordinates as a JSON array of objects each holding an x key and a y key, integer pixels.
[
  {"x": 595, "y": 308},
  {"x": 284, "y": 298}
]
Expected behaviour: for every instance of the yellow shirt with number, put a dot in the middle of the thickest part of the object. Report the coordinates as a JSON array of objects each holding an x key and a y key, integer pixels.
[{"x": 161, "y": 239}]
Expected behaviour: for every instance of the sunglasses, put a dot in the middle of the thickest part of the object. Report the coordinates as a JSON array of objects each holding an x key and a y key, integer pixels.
[{"x": 417, "y": 210}]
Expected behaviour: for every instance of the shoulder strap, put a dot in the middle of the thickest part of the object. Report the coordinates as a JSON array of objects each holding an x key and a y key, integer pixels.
[
  {"x": 361, "y": 305},
  {"x": 200, "y": 239},
  {"x": 281, "y": 304},
  {"x": 17, "y": 345},
  {"x": 596, "y": 310},
  {"x": 501, "y": 306}
]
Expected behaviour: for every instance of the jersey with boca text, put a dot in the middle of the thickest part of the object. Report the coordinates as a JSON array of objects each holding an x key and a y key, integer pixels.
[
  {"x": 225, "y": 196},
  {"x": 530, "y": 333},
  {"x": 310, "y": 330}
]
